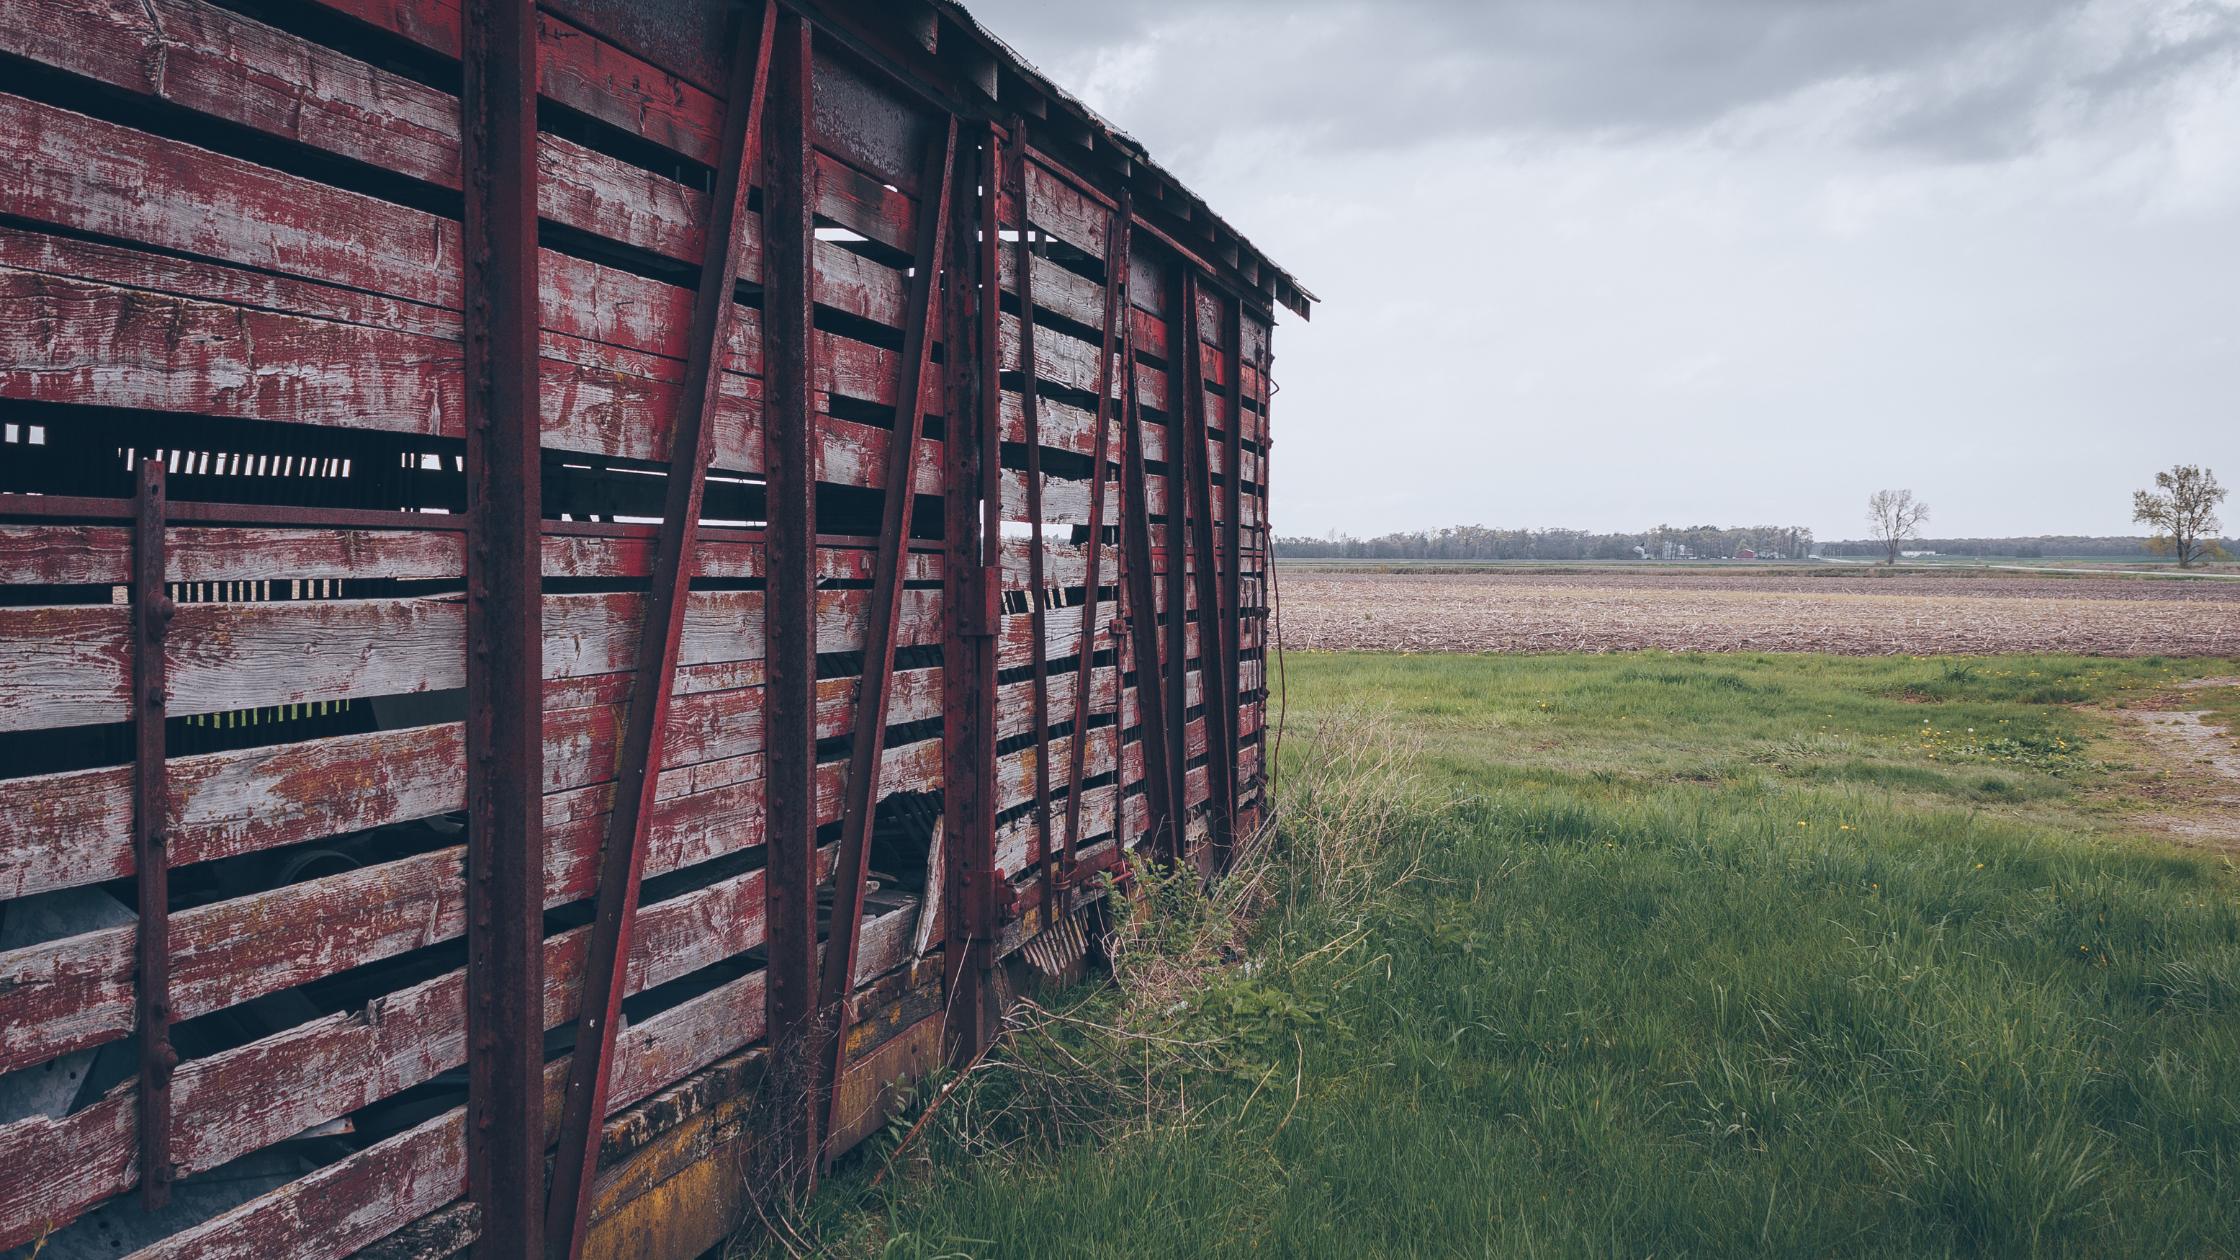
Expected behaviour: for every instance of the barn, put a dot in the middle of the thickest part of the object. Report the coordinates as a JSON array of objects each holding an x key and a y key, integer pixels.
[{"x": 588, "y": 586}]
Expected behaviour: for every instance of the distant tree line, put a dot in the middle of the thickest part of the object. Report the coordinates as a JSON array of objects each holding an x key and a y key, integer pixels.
[
  {"x": 1478, "y": 542},
  {"x": 2032, "y": 548}
]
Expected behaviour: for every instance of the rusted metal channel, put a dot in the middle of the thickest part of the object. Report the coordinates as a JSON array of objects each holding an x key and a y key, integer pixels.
[
  {"x": 1232, "y": 572},
  {"x": 1115, "y": 307},
  {"x": 1182, "y": 382},
  {"x": 972, "y": 593},
  {"x": 884, "y": 617},
  {"x": 1160, "y": 771},
  {"x": 789, "y": 602},
  {"x": 1038, "y": 596},
  {"x": 637, "y": 771},
  {"x": 1214, "y": 645},
  {"x": 504, "y": 735},
  {"x": 151, "y": 617}
]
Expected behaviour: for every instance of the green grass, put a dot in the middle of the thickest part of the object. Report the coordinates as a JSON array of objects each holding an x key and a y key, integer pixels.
[{"x": 1693, "y": 957}]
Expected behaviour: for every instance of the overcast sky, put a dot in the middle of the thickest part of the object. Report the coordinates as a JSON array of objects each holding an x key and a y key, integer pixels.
[{"x": 1607, "y": 264}]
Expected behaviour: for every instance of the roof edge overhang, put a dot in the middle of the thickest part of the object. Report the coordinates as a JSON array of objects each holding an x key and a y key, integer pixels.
[{"x": 943, "y": 53}]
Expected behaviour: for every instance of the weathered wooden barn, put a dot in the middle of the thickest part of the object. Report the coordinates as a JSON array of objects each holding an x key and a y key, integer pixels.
[{"x": 585, "y": 587}]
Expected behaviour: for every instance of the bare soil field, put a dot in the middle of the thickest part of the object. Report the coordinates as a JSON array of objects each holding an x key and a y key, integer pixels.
[{"x": 1857, "y": 615}]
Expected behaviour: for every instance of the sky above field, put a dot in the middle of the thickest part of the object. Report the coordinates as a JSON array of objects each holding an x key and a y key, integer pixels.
[{"x": 1607, "y": 264}]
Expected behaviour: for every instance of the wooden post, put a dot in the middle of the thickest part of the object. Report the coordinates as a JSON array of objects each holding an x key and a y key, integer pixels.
[{"x": 505, "y": 636}]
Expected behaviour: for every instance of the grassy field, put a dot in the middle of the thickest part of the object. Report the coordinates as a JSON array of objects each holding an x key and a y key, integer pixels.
[{"x": 1651, "y": 956}]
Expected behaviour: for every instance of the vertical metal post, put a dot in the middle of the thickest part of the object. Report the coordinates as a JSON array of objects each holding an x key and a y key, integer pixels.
[
  {"x": 638, "y": 766},
  {"x": 151, "y": 619},
  {"x": 1214, "y": 646},
  {"x": 972, "y": 589},
  {"x": 1037, "y": 592},
  {"x": 884, "y": 618},
  {"x": 1115, "y": 308},
  {"x": 790, "y": 596},
  {"x": 505, "y": 636},
  {"x": 1182, "y": 313},
  {"x": 1232, "y": 554},
  {"x": 1160, "y": 772}
]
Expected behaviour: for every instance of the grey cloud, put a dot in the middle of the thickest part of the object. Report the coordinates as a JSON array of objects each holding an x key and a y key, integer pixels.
[{"x": 1957, "y": 79}]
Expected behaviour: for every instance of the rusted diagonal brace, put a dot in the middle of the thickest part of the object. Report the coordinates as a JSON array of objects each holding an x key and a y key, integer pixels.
[
  {"x": 1213, "y": 636},
  {"x": 151, "y": 617},
  {"x": 1115, "y": 281},
  {"x": 1161, "y": 774},
  {"x": 1037, "y": 593},
  {"x": 638, "y": 767},
  {"x": 883, "y": 624}
]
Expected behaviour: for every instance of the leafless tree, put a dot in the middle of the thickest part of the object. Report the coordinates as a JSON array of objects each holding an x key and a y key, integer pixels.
[
  {"x": 1894, "y": 519},
  {"x": 2184, "y": 516}
]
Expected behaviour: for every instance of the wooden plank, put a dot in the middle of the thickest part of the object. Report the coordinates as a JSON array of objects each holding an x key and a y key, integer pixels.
[
  {"x": 98, "y": 554},
  {"x": 200, "y": 57},
  {"x": 241, "y": 1100},
  {"x": 66, "y": 664},
  {"x": 1055, "y": 205},
  {"x": 115, "y": 181},
  {"x": 77, "y": 342},
  {"x": 1058, "y": 290},
  {"x": 577, "y": 69},
  {"x": 609, "y": 390}
]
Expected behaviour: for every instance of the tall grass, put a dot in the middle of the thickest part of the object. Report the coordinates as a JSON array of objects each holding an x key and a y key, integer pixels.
[{"x": 1694, "y": 1018}]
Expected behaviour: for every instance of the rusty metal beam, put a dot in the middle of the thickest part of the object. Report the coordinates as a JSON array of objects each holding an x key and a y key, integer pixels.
[
  {"x": 1160, "y": 772},
  {"x": 622, "y": 864},
  {"x": 1037, "y": 591},
  {"x": 1181, "y": 375},
  {"x": 1216, "y": 642},
  {"x": 1232, "y": 548},
  {"x": 884, "y": 618},
  {"x": 151, "y": 618},
  {"x": 972, "y": 591},
  {"x": 1115, "y": 304},
  {"x": 789, "y": 599},
  {"x": 505, "y": 636}
]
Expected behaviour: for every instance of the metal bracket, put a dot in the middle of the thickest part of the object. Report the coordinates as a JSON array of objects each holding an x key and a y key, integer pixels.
[{"x": 980, "y": 604}]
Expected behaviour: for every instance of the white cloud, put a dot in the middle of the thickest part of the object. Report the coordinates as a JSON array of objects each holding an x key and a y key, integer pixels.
[{"x": 1605, "y": 262}]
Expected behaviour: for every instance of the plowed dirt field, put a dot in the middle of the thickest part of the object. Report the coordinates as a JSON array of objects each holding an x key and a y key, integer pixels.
[{"x": 1855, "y": 615}]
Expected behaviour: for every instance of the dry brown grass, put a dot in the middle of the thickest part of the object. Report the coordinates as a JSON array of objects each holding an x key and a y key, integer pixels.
[{"x": 1859, "y": 615}]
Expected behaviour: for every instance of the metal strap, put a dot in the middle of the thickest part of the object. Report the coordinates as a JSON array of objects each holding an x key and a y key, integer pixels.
[
  {"x": 1037, "y": 591},
  {"x": 1115, "y": 299},
  {"x": 883, "y": 622},
  {"x": 638, "y": 765},
  {"x": 151, "y": 617},
  {"x": 1159, "y": 771}
]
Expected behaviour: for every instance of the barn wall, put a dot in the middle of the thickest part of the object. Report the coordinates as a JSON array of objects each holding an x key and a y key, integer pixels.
[{"x": 234, "y": 246}]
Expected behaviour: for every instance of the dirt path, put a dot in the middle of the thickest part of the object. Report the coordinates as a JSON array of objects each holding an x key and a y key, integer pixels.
[{"x": 2188, "y": 765}]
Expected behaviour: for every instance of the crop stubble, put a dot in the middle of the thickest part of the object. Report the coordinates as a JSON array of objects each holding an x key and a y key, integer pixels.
[{"x": 1853, "y": 615}]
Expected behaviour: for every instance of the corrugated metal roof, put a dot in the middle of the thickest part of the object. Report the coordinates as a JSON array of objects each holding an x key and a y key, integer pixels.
[{"x": 1168, "y": 194}]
